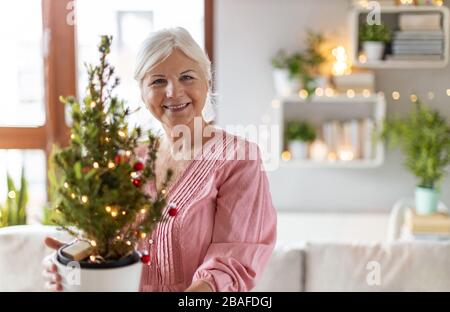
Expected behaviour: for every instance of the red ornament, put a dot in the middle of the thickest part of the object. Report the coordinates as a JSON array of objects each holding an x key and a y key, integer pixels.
[
  {"x": 173, "y": 212},
  {"x": 145, "y": 258},
  {"x": 118, "y": 159},
  {"x": 137, "y": 182},
  {"x": 139, "y": 166},
  {"x": 86, "y": 169}
]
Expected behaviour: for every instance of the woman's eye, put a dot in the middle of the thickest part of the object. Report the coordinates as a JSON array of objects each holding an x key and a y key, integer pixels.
[
  {"x": 158, "y": 81},
  {"x": 186, "y": 77}
]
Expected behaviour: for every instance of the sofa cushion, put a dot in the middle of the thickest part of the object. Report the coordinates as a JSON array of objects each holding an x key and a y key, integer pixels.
[
  {"x": 22, "y": 250},
  {"x": 284, "y": 270},
  {"x": 399, "y": 266}
]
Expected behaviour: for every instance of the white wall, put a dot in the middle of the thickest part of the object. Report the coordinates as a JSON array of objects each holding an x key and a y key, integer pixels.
[{"x": 247, "y": 34}]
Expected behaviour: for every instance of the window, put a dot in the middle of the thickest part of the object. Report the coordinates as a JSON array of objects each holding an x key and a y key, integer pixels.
[
  {"x": 39, "y": 64},
  {"x": 129, "y": 22}
]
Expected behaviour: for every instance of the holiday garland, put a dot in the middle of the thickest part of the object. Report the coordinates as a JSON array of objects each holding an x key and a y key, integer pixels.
[{"x": 101, "y": 197}]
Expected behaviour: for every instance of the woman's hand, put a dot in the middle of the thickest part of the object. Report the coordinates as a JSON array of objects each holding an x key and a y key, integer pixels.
[
  {"x": 199, "y": 286},
  {"x": 50, "y": 273}
]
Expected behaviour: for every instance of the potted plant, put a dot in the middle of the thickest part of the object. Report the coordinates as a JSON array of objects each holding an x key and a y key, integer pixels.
[
  {"x": 373, "y": 39},
  {"x": 101, "y": 200},
  {"x": 424, "y": 138},
  {"x": 298, "y": 135},
  {"x": 295, "y": 71}
]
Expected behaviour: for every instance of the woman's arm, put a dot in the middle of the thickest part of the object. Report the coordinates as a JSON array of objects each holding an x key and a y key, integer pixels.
[{"x": 199, "y": 286}]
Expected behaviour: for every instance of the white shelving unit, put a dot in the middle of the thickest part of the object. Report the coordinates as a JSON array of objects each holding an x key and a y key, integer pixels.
[
  {"x": 357, "y": 11},
  {"x": 318, "y": 109}
]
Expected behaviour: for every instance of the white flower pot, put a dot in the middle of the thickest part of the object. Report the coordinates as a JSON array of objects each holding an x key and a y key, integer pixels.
[
  {"x": 121, "y": 276},
  {"x": 373, "y": 50},
  {"x": 284, "y": 85},
  {"x": 298, "y": 149}
]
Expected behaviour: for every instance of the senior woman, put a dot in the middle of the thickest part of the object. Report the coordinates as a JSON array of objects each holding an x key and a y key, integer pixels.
[{"x": 221, "y": 224}]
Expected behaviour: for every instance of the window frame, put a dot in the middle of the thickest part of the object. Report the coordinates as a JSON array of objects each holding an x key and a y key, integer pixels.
[{"x": 60, "y": 77}]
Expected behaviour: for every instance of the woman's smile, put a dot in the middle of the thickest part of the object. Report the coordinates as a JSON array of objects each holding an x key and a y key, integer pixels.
[{"x": 176, "y": 108}]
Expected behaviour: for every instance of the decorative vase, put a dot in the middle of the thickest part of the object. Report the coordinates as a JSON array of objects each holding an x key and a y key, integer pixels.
[
  {"x": 427, "y": 200},
  {"x": 285, "y": 85},
  {"x": 373, "y": 50},
  {"x": 122, "y": 275},
  {"x": 298, "y": 149}
]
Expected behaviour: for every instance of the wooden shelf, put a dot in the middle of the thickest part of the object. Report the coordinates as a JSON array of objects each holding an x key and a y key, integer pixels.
[{"x": 398, "y": 64}]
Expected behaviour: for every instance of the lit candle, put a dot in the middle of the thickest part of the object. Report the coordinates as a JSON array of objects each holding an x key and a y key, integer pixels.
[{"x": 318, "y": 151}]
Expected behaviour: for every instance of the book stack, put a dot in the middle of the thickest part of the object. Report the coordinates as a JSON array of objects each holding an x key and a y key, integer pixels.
[
  {"x": 432, "y": 227},
  {"x": 353, "y": 135},
  {"x": 420, "y": 38}
]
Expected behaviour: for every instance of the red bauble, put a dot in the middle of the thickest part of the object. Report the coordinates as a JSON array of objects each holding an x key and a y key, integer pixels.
[
  {"x": 173, "y": 212},
  {"x": 137, "y": 182},
  {"x": 86, "y": 169},
  {"x": 118, "y": 159},
  {"x": 145, "y": 258},
  {"x": 139, "y": 166}
]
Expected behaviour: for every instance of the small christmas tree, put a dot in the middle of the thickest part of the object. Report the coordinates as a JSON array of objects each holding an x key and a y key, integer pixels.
[{"x": 101, "y": 197}]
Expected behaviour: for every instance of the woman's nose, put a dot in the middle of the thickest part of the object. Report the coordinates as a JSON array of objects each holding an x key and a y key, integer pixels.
[{"x": 174, "y": 89}]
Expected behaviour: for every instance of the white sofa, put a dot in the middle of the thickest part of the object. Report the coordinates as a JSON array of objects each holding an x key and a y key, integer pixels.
[{"x": 397, "y": 266}]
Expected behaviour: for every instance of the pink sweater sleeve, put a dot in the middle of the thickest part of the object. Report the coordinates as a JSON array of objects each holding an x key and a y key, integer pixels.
[{"x": 244, "y": 229}]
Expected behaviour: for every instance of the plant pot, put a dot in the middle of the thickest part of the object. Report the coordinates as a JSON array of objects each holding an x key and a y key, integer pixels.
[
  {"x": 284, "y": 85},
  {"x": 298, "y": 149},
  {"x": 122, "y": 275},
  {"x": 373, "y": 50},
  {"x": 427, "y": 200}
]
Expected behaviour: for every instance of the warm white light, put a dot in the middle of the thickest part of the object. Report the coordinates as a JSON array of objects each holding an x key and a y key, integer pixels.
[
  {"x": 329, "y": 92},
  {"x": 128, "y": 243},
  {"x": 286, "y": 156},
  {"x": 143, "y": 211},
  {"x": 366, "y": 93},
  {"x": 111, "y": 165},
  {"x": 134, "y": 175},
  {"x": 362, "y": 58},
  {"x": 128, "y": 153},
  {"x": 108, "y": 209},
  {"x": 319, "y": 92},
  {"x": 351, "y": 93},
  {"x": 413, "y": 98},
  {"x": 72, "y": 136},
  {"x": 92, "y": 258},
  {"x": 93, "y": 104},
  {"x": 114, "y": 213},
  {"x": 396, "y": 95},
  {"x": 66, "y": 185},
  {"x": 448, "y": 92},
  {"x": 72, "y": 195},
  {"x": 95, "y": 165},
  {"x": 93, "y": 243},
  {"x": 124, "y": 213},
  {"x": 143, "y": 235},
  {"x": 121, "y": 133},
  {"x": 346, "y": 154},
  {"x": 303, "y": 94},
  {"x": 12, "y": 194},
  {"x": 340, "y": 66},
  {"x": 84, "y": 199}
]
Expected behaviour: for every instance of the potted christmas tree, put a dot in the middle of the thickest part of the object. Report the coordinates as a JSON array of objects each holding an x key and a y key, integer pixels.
[
  {"x": 101, "y": 198},
  {"x": 424, "y": 138}
]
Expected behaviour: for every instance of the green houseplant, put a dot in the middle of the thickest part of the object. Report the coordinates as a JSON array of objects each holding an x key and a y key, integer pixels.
[
  {"x": 424, "y": 138},
  {"x": 373, "y": 39},
  {"x": 14, "y": 210},
  {"x": 298, "y": 135},
  {"x": 298, "y": 70}
]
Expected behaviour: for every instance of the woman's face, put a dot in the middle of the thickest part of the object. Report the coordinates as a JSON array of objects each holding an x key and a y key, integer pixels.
[{"x": 175, "y": 90}]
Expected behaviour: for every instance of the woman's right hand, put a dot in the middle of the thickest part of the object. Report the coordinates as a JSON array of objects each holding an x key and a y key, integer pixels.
[{"x": 50, "y": 273}]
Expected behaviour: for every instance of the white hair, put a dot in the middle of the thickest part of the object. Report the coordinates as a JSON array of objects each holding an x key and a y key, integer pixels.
[{"x": 160, "y": 44}]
